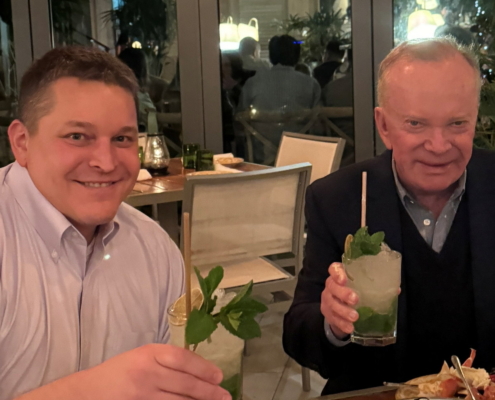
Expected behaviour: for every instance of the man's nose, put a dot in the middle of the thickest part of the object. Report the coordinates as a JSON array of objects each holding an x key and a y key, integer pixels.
[
  {"x": 103, "y": 157},
  {"x": 438, "y": 141}
]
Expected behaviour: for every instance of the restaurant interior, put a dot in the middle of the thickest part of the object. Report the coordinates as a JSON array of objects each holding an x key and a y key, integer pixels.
[{"x": 203, "y": 113}]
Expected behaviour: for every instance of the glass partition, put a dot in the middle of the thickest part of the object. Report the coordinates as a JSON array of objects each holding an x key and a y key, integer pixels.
[
  {"x": 471, "y": 23},
  {"x": 8, "y": 81},
  {"x": 286, "y": 66},
  {"x": 144, "y": 35}
]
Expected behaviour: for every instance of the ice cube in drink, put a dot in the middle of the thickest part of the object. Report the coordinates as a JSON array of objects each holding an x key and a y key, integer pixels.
[{"x": 376, "y": 280}]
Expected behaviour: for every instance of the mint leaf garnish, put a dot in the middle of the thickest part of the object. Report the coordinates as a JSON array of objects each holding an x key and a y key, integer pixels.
[
  {"x": 208, "y": 285},
  {"x": 237, "y": 316},
  {"x": 200, "y": 326},
  {"x": 364, "y": 244}
]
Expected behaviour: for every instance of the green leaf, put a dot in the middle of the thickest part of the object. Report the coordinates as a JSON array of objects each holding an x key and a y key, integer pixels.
[
  {"x": 377, "y": 238},
  {"x": 204, "y": 289},
  {"x": 213, "y": 279},
  {"x": 225, "y": 321},
  {"x": 248, "y": 307},
  {"x": 364, "y": 244},
  {"x": 235, "y": 322},
  {"x": 200, "y": 326},
  {"x": 245, "y": 291},
  {"x": 248, "y": 329}
]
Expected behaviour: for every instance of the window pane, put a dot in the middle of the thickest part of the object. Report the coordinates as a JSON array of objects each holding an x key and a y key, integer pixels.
[
  {"x": 470, "y": 22},
  {"x": 8, "y": 82},
  {"x": 286, "y": 66},
  {"x": 113, "y": 26}
]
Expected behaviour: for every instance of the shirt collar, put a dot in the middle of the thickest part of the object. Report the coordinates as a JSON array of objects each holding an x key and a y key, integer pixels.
[
  {"x": 404, "y": 194},
  {"x": 50, "y": 223}
]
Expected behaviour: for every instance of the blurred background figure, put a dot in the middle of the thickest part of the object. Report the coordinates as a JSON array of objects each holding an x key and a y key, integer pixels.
[
  {"x": 332, "y": 59},
  {"x": 461, "y": 35},
  {"x": 283, "y": 93},
  {"x": 303, "y": 68},
  {"x": 123, "y": 42},
  {"x": 339, "y": 93},
  {"x": 234, "y": 76},
  {"x": 250, "y": 51},
  {"x": 135, "y": 59}
]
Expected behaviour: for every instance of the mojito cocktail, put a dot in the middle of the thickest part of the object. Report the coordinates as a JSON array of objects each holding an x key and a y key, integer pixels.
[
  {"x": 223, "y": 349},
  {"x": 376, "y": 280}
]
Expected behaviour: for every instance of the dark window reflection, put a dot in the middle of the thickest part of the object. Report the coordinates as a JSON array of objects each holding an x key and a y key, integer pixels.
[{"x": 278, "y": 74}]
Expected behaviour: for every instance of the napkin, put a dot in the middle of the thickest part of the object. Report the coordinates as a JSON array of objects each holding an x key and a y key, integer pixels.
[
  {"x": 226, "y": 155},
  {"x": 220, "y": 167},
  {"x": 143, "y": 175}
]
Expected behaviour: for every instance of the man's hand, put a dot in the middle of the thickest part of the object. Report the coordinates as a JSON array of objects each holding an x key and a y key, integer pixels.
[
  {"x": 151, "y": 372},
  {"x": 337, "y": 301}
]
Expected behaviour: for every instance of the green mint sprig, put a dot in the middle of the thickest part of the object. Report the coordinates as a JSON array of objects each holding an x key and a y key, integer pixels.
[
  {"x": 237, "y": 316},
  {"x": 364, "y": 244}
]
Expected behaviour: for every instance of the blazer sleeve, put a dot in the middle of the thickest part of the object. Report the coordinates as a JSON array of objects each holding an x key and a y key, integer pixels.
[{"x": 304, "y": 336}]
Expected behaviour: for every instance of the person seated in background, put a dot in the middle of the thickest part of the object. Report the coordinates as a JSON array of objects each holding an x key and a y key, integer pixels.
[
  {"x": 250, "y": 51},
  {"x": 135, "y": 59},
  {"x": 85, "y": 280},
  {"x": 339, "y": 93},
  {"x": 432, "y": 195},
  {"x": 332, "y": 59},
  {"x": 303, "y": 69},
  {"x": 280, "y": 91},
  {"x": 234, "y": 76}
]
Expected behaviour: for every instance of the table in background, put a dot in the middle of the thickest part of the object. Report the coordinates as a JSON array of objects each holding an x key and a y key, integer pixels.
[{"x": 164, "y": 193}]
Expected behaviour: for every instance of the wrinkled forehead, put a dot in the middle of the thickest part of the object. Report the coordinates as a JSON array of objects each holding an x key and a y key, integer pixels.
[{"x": 445, "y": 80}]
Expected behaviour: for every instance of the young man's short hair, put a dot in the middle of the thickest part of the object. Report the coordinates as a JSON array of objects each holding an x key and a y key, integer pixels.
[{"x": 84, "y": 63}]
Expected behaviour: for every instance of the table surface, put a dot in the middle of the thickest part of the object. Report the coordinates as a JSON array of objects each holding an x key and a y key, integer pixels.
[
  {"x": 170, "y": 188},
  {"x": 377, "y": 393}
]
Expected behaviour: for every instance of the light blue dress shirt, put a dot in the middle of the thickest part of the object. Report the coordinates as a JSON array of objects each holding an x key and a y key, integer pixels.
[{"x": 65, "y": 307}]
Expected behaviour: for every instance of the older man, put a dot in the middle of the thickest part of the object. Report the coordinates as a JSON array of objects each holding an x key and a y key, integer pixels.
[
  {"x": 433, "y": 197},
  {"x": 85, "y": 281}
]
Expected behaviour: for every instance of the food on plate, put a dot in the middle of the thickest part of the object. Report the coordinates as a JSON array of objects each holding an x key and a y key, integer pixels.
[{"x": 448, "y": 384}]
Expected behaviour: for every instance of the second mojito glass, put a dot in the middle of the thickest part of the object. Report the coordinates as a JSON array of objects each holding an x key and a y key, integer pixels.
[
  {"x": 376, "y": 280},
  {"x": 222, "y": 349}
]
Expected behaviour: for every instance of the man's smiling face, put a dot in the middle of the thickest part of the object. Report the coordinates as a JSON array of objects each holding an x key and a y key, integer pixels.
[
  {"x": 83, "y": 155},
  {"x": 428, "y": 120}
]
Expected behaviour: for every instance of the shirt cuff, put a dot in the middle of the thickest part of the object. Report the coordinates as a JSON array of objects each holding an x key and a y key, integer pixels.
[{"x": 332, "y": 339}]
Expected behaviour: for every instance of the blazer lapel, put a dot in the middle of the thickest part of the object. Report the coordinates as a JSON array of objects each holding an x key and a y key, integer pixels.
[
  {"x": 480, "y": 192},
  {"x": 383, "y": 214}
]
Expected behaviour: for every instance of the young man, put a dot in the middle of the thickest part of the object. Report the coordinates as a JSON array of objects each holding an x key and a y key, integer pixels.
[
  {"x": 433, "y": 197},
  {"x": 85, "y": 281}
]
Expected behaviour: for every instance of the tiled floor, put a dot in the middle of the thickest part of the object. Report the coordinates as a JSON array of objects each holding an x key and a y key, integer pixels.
[{"x": 269, "y": 374}]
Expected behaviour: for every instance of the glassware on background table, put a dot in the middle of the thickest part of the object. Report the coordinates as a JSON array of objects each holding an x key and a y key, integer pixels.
[
  {"x": 204, "y": 161},
  {"x": 224, "y": 350},
  {"x": 156, "y": 155},
  {"x": 189, "y": 153},
  {"x": 376, "y": 280}
]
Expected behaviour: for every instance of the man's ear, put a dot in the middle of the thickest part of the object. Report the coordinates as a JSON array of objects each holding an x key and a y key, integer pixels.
[
  {"x": 381, "y": 125},
  {"x": 19, "y": 137}
]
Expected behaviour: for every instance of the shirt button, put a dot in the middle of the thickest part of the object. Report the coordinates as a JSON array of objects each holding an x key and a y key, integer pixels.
[
  {"x": 74, "y": 235},
  {"x": 54, "y": 254},
  {"x": 427, "y": 222}
]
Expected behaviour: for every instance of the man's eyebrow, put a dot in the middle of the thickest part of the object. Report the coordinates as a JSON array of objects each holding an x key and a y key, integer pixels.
[
  {"x": 414, "y": 118},
  {"x": 128, "y": 129},
  {"x": 80, "y": 124}
]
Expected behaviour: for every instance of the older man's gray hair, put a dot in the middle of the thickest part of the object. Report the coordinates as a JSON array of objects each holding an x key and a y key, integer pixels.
[{"x": 434, "y": 50}]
